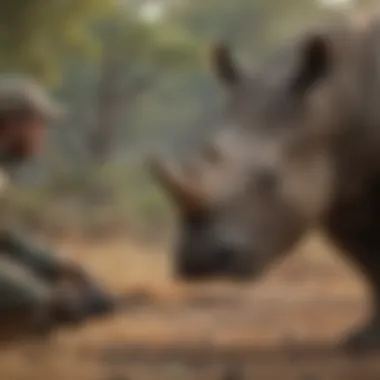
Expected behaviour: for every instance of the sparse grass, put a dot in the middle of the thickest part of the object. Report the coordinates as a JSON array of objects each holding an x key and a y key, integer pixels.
[{"x": 292, "y": 302}]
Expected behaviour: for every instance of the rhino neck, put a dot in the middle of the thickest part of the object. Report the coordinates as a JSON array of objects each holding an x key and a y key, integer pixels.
[{"x": 356, "y": 97}]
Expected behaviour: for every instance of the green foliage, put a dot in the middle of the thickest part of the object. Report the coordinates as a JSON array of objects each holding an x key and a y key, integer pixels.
[
  {"x": 37, "y": 34},
  {"x": 139, "y": 45}
]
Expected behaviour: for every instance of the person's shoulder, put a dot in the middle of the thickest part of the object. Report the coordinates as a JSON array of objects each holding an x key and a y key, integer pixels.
[{"x": 19, "y": 85}]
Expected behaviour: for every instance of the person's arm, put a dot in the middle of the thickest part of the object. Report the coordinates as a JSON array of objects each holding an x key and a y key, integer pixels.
[{"x": 43, "y": 262}]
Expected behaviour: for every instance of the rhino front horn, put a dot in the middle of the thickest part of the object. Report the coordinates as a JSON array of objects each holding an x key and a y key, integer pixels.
[{"x": 176, "y": 184}]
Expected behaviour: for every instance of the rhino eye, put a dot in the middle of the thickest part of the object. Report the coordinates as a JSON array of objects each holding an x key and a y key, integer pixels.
[{"x": 212, "y": 153}]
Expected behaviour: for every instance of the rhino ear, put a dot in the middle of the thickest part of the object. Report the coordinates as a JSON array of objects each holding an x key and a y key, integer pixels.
[
  {"x": 223, "y": 65},
  {"x": 315, "y": 63}
]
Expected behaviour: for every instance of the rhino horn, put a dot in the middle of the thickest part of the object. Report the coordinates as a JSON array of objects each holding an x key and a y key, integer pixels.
[{"x": 177, "y": 184}]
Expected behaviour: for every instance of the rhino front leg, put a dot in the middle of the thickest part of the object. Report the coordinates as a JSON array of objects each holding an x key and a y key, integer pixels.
[
  {"x": 353, "y": 225},
  {"x": 367, "y": 336}
]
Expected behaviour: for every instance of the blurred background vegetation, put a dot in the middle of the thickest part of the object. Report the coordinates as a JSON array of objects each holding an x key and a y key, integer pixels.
[{"x": 134, "y": 74}]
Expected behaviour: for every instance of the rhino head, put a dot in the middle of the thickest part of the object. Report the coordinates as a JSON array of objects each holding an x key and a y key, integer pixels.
[{"x": 249, "y": 194}]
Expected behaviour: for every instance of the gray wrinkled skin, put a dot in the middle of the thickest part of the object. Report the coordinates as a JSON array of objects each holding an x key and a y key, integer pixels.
[
  {"x": 260, "y": 203},
  {"x": 300, "y": 150}
]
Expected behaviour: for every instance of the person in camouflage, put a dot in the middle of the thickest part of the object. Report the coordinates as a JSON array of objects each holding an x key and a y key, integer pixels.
[{"x": 38, "y": 290}]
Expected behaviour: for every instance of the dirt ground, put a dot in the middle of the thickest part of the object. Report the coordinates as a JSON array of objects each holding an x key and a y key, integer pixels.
[{"x": 286, "y": 326}]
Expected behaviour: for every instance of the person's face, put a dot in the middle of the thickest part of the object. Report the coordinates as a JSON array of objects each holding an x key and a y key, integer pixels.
[{"x": 21, "y": 134}]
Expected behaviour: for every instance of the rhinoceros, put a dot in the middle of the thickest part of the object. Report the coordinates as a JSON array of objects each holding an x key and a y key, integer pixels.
[{"x": 299, "y": 149}]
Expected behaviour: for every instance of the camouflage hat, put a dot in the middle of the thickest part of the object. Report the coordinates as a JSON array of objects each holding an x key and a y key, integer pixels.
[{"x": 19, "y": 92}]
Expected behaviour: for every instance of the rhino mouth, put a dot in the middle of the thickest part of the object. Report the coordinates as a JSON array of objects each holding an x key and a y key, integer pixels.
[{"x": 228, "y": 270}]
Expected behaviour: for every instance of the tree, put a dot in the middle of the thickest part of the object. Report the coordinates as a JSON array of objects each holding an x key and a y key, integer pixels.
[
  {"x": 104, "y": 95},
  {"x": 37, "y": 35},
  {"x": 134, "y": 57}
]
